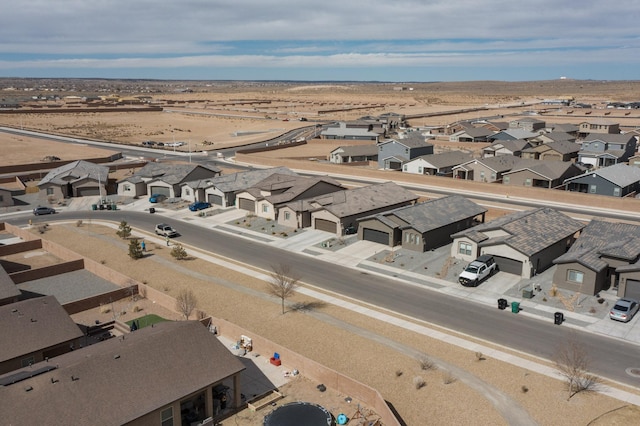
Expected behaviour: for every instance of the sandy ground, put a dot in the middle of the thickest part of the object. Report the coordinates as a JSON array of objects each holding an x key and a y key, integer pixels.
[{"x": 315, "y": 333}]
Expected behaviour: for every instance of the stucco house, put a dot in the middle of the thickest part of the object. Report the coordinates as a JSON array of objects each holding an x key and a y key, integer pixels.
[
  {"x": 266, "y": 197},
  {"x": 423, "y": 226},
  {"x": 605, "y": 255},
  {"x": 527, "y": 123},
  {"x": 354, "y": 153},
  {"x": 177, "y": 366},
  {"x": 513, "y": 134},
  {"x": 599, "y": 126},
  {"x": 488, "y": 169},
  {"x": 393, "y": 153},
  {"x": 221, "y": 190},
  {"x": 165, "y": 179},
  {"x": 523, "y": 243},
  {"x": 562, "y": 150},
  {"x": 602, "y": 150},
  {"x": 540, "y": 174},
  {"x": 76, "y": 179},
  {"x": 506, "y": 147},
  {"x": 436, "y": 164},
  {"x": 619, "y": 180},
  {"x": 471, "y": 134},
  {"x": 338, "y": 212},
  {"x": 363, "y": 131}
]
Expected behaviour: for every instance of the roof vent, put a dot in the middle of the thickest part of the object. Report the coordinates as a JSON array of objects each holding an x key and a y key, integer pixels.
[
  {"x": 28, "y": 388},
  {"x": 116, "y": 357}
]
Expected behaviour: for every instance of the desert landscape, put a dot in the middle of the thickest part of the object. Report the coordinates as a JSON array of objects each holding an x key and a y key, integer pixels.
[{"x": 216, "y": 116}]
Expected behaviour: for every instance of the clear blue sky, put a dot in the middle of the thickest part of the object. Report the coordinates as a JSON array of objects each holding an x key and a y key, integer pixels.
[{"x": 399, "y": 40}]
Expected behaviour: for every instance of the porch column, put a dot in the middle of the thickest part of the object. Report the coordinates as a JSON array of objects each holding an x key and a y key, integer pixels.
[
  {"x": 208, "y": 402},
  {"x": 237, "y": 398}
]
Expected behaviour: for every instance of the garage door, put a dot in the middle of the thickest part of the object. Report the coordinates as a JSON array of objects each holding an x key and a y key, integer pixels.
[
  {"x": 214, "y": 199},
  {"x": 326, "y": 225},
  {"x": 632, "y": 289},
  {"x": 246, "y": 204},
  {"x": 375, "y": 236},
  {"x": 162, "y": 190},
  {"x": 510, "y": 266},
  {"x": 87, "y": 191}
]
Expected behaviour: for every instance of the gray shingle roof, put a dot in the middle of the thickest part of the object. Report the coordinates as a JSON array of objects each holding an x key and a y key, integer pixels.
[
  {"x": 548, "y": 169},
  {"x": 619, "y": 174},
  {"x": 410, "y": 142},
  {"x": 598, "y": 238},
  {"x": 528, "y": 231},
  {"x": 364, "y": 199},
  {"x": 433, "y": 214},
  {"x": 169, "y": 173},
  {"x": 445, "y": 159},
  {"x": 75, "y": 171},
  {"x": 243, "y": 180},
  {"x": 513, "y": 145},
  {"x": 354, "y": 150}
]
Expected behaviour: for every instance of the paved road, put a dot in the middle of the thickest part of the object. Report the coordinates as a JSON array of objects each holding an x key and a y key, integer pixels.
[{"x": 610, "y": 357}]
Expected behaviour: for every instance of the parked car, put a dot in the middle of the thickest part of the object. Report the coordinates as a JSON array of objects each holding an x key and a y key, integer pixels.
[
  {"x": 157, "y": 198},
  {"x": 165, "y": 230},
  {"x": 148, "y": 143},
  {"x": 43, "y": 210},
  {"x": 199, "y": 205},
  {"x": 481, "y": 268},
  {"x": 624, "y": 310}
]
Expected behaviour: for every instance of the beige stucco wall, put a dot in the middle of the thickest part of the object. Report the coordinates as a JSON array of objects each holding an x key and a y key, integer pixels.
[
  {"x": 592, "y": 282},
  {"x": 455, "y": 249},
  {"x": 378, "y": 226},
  {"x": 324, "y": 214}
]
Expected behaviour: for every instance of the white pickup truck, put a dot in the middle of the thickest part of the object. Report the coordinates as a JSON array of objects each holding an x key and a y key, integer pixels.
[{"x": 481, "y": 268}]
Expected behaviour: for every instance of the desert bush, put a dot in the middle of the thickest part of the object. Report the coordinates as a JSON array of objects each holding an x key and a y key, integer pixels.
[
  {"x": 426, "y": 363},
  {"x": 42, "y": 229},
  {"x": 480, "y": 356},
  {"x": 524, "y": 389},
  {"x": 178, "y": 252},
  {"x": 419, "y": 382},
  {"x": 448, "y": 378},
  {"x": 136, "y": 308},
  {"x": 79, "y": 223},
  {"x": 398, "y": 373}
]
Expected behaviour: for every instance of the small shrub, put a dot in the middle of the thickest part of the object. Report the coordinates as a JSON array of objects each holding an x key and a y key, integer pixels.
[
  {"x": 448, "y": 378},
  {"x": 402, "y": 265},
  {"x": 480, "y": 356},
  {"x": 284, "y": 234},
  {"x": 398, "y": 373},
  {"x": 165, "y": 288},
  {"x": 103, "y": 262},
  {"x": 42, "y": 229},
  {"x": 426, "y": 363},
  {"x": 79, "y": 223},
  {"x": 419, "y": 382},
  {"x": 553, "y": 292},
  {"x": 104, "y": 309},
  {"x": 544, "y": 299},
  {"x": 524, "y": 389},
  {"x": 592, "y": 310},
  {"x": 178, "y": 252},
  {"x": 268, "y": 219}
]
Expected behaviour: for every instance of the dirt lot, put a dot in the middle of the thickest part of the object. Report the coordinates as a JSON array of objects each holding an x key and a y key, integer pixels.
[{"x": 234, "y": 296}]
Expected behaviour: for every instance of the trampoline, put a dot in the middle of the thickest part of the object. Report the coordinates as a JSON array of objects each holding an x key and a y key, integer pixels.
[{"x": 297, "y": 413}]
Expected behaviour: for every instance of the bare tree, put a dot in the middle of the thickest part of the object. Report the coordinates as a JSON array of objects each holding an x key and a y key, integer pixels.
[
  {"x": 283, "y": 283},
  {"x": 186, "y": 302},
  {"x": 573, "y": 363}
]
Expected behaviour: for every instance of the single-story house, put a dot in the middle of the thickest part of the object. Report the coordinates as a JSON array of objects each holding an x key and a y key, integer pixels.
[
  {"x": 553, "y": 136},
  {"x": 76, "y": 179},
  {"x": 527, "y": 123},
  {"x": 168, "y": 374},
  {"x": 437, "y": 164},
  {"x": 489, "y": 169},
  {"x": 267, "y": 196},
  {"x": 338, "y": 212},
  {"x": 568, "y": 128},
  {"x": 506, "y": 147},
  {"x": 354, "y": 153},
  {"x": 393, "y": 153},
  {"x": 33, "y": 330},
  {"x": 540, "y": 174},
  {"x": 363, "y": 132},
  {"x": 423, "y": 226},
  {"x": 619, "y": 180},
  {"x": 605, "y": 255},
  {"x": 9, "y": 292},
  {"x": 552, "y": 151},
  {"x": 221, "y": 190},
  {"x": 523, "y": 243},
  {"x": 513, "y": 134},
  {"x": 165, "y": 179},
  {"x": 471, "y": 134}
]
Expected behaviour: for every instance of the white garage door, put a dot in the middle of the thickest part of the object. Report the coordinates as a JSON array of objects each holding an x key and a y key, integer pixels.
[{"x": 632, "y": 289}]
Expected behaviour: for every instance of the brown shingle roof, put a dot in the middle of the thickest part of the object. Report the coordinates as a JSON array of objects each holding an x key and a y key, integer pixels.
[
  {"x": 117, "y": 381},
  {"x": 364, "y": 199}
]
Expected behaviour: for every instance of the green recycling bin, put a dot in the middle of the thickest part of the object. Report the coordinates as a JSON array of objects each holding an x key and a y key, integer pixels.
[
  {"x": 114, "y": 206},
  {"x": 94, "y": 207},
  {"x": 515, "y": 307}
]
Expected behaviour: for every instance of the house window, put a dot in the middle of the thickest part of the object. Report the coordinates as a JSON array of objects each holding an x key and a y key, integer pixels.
[
  {"x": 187, "y": 192},
  {"x": 505, "y": 179},
  {"x": 166, "y": 417},
  {"x": 27, "y": 361},
  {"x": 417, "y": 239},
  {"x": 464, "y": 248},
  {"x": 527, "y": 182},
  {"x": 420, "y": 169},
  {"x": 575, "y": 276},
  {"x": 49, "y": 191},
  {"x": 593, "y": 189},
  {"x": 616, "y": 192},
  {"x": 407, "y": 238},
  {"x": 127, "y": 187},
  {"x": 287, "y": 215},
  {"x": 493, "y": 176},
  {"x": 1, "y": 198},
  {"x": 405, "y": 168},
  {"x": 265, "y": 208},
  {"x": 406, "y": 150}
]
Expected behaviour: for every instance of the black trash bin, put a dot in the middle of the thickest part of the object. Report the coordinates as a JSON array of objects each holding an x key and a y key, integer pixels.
[
  {"x": 558, "y": 318},
  {"x": 101, "y": 206},
  {"x": 152, "y": 209},
  {"x": 502, "y": 304}
]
